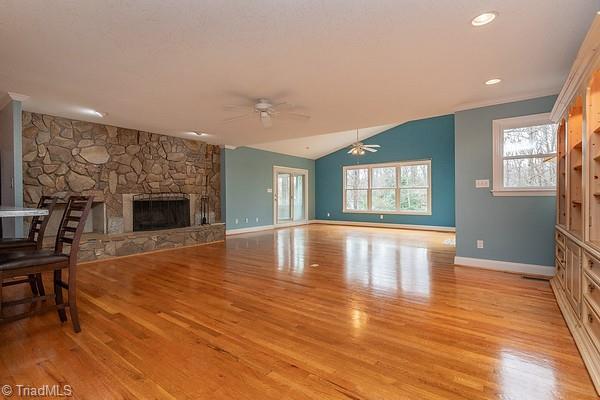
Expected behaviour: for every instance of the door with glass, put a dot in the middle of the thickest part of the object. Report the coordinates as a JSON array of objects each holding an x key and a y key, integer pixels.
[{"x": 290, "y": 195}]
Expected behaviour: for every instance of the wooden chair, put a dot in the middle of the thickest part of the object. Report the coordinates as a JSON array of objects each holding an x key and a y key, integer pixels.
[
  {"x": 18, "y": 264},
  {"x": 34, "y": 241}
]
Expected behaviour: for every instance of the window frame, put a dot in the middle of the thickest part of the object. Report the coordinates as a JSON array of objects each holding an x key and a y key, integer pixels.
[
  {"x": 498, "y": 127},
  {"x": 397, "y": 165}
]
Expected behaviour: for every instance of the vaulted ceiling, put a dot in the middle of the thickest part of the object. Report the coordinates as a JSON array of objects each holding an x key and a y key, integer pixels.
[{"x": 173, "y": 66}]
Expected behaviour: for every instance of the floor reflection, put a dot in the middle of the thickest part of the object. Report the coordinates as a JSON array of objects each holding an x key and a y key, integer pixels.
[
  {"x": 526, "y": 376},
  {"x": 385, "y": 265},
  {"x": 291, "y": 250}
]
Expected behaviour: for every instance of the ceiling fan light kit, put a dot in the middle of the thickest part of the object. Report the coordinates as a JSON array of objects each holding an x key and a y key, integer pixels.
[{"x": 358, "y": 148}]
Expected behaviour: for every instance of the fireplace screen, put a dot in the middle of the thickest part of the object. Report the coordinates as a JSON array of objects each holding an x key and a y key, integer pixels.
[{"x": 160, "y": 211}]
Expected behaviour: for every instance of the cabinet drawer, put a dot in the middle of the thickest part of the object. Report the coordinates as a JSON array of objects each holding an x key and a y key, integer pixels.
[
  {"x": 591, "y": 265},
  {"x": 560, "y": 238},
  {"x": 591, "y": 292},
  {"x": 560, "y": 254},
  {"x": 591, "y": 323}
]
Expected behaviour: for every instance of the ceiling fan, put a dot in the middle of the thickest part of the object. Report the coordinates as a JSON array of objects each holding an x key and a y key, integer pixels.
[
  {"x": 266, "y": 110},
  {"x": 358, "y": 148}
]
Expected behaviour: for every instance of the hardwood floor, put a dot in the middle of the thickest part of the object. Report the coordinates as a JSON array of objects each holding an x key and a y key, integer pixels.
[{"x": 315, "y": 312}]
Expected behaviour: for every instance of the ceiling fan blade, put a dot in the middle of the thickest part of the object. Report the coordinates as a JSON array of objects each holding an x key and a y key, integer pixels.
[
  {"x": 239, "y": 117},
  {"x": 351, "y": 151},
  {"x": 369, "y": 149},
  {"x": 236, "y": 107},
  {"x": 372, "y": 145},
  {"x": 294, "y": 115}
]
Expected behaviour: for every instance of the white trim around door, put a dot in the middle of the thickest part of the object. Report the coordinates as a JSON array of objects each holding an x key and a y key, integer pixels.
[{"x": 297, "y": 172}]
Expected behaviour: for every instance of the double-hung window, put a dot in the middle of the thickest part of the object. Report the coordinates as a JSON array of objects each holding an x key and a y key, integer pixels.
[
  {"x": 524, "y": 156},
  {"x": 390, "y": 188}
]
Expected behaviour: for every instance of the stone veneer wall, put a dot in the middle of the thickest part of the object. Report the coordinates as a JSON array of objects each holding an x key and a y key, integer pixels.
[{"x": 63, "y": 157}]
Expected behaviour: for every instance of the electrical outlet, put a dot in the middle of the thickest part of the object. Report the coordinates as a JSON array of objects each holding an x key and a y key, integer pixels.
[
  {"x": 380, "y": 216},
  {"x": 480, "y": 244},
  {"x": 329, "y": 214},
  {"x": 256, "y": 219},
  {"x": 269, "y": 190},
  {"x": 246, "y": 220},
  {"x": 482, "y": 183},
  {"x": 237, "y": 221}
]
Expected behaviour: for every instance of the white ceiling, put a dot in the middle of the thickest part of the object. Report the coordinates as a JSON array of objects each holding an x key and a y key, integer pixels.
[
  {"x": 317, "y": 146},
  {"x": 172, "y": 66}
]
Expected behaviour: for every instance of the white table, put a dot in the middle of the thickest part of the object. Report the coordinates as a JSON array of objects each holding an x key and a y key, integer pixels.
[{"x": 13, "y": 212}]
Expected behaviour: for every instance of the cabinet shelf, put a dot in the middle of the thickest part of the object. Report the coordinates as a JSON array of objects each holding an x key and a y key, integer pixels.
[
  {"x": 577, "y": 167},
  {"x": 578, "y": 145},
  {"x": 576, "y": 202}
]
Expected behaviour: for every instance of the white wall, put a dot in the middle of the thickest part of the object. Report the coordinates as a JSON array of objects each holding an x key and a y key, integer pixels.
[{"x": 11, "y": 170}]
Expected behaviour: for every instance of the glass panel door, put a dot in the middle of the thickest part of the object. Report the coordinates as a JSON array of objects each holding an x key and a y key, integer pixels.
[
  {"x": 283, "y": 197},
  {"x": 298, "y": 197},
  {"x": 290, "y": 195}
]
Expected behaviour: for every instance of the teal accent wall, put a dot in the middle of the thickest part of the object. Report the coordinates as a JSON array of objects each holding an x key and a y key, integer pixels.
[
  {"x": 431, "y": 138},
  {"x": 248, "y": 175},
  {"x": 514, "y": 229}
]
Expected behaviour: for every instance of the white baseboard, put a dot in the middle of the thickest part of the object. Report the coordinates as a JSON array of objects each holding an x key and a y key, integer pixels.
[
  {"x": 386, "y": 225},
  {"x": 264, "y": 228},
  {"x": 248, "y": 230},
  {"x": 506, "y": 266},
  {"x": 333, "y": 222}
]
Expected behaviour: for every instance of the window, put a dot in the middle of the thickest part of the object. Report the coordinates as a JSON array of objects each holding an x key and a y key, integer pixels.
[
  {"x": 524, "y": 156},
  {"x": 391, "y": 188}
]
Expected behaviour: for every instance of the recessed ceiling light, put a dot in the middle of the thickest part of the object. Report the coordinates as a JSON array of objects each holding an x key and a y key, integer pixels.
[
  {"x": 484, "y": 19},
  {"x": 197, "y": 133},
  {"x": 99, "y": 114},
  {"x": 493, "y": 81}
]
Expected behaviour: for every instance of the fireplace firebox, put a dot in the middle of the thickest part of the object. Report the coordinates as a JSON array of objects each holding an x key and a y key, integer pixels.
[{"x": 160, "y": 211}]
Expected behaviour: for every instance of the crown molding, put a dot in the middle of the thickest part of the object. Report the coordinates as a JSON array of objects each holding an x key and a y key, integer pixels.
[
  {"x": 7, "y": 97},
  {"x": 504, "y": 100},
  {"x": 588, "y": 57},
  {"x": 17, "y": 96}
]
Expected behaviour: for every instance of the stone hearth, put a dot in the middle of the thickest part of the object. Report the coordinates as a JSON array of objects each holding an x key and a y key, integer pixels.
[{"x": 99, "y": 247}]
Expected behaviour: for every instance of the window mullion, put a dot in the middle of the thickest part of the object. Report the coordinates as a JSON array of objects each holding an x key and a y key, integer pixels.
[
  {"x": 527, "y": 156},
  {"x": 369, "y": 190},
  {"x": 398, "y": 188}
]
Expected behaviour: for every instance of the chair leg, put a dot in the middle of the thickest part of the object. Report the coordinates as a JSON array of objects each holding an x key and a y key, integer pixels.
[
  {"x": 40, "y": 284},
  {"x": 73, "y": 299},
  {"x": 33, "y": 284},
  {"x": 1, "y": 282},
  {"x": 58, "y": 294}
]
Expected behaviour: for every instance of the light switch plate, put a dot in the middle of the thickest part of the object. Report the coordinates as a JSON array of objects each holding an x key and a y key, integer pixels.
[{"x": 482, "y": 183}]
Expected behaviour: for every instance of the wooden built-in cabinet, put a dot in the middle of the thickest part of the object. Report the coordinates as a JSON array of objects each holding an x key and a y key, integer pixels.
[
  {"x": 576, "y": 283},
  {"x": 593, "y": 121},
  {"x": 575, "y": 162}
]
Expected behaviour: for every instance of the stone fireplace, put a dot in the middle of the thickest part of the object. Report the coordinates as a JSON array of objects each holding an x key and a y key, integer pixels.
[{"x": 121, "y": 168}]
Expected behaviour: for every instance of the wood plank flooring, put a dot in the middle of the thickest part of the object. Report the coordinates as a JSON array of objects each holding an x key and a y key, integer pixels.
[{"x": 313, "y": 312}]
